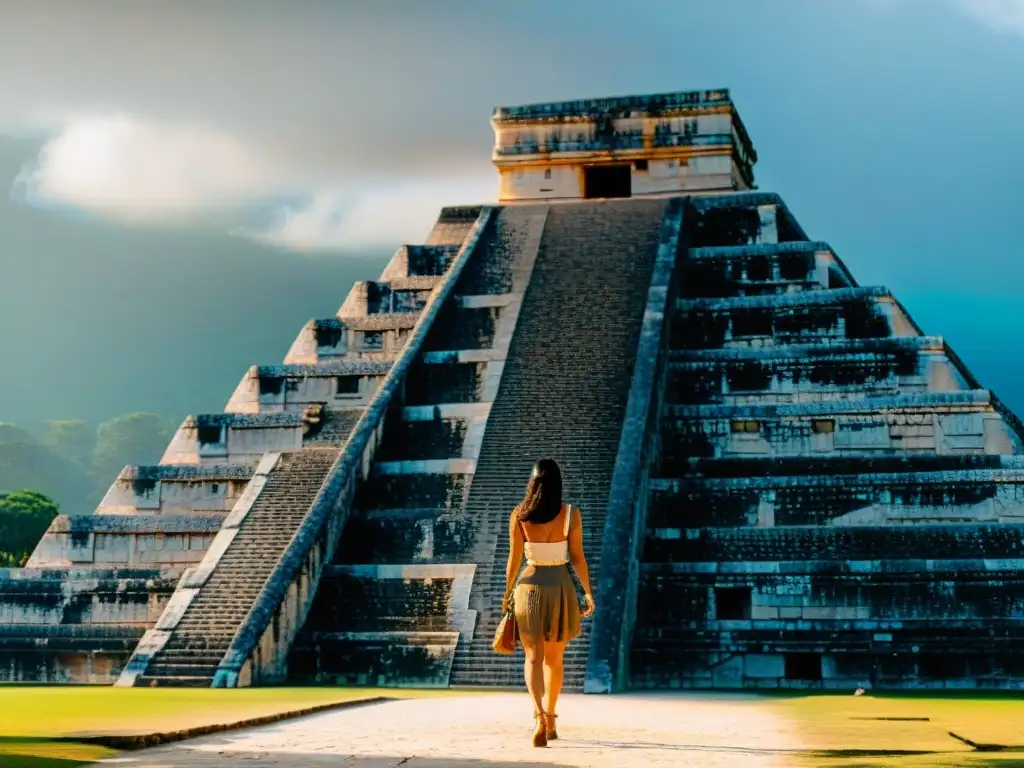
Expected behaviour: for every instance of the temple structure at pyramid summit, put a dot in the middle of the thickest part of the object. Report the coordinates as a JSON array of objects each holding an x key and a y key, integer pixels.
[{"x": 785, "y": 482}]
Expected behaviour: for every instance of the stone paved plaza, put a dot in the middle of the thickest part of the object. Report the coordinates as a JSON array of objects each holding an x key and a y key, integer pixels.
[{"x": 493, "y": 731}]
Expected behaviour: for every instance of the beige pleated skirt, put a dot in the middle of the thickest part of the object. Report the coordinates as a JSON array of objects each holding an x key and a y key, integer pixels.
[{"x": 545, "y": 604}]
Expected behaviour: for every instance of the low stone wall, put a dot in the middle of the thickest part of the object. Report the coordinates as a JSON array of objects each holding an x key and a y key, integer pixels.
[
  {"x": 126, "y": 540},
  {"x": 51, "y": 596},
  {"x": 752, "y": 270},
  {"x": 232, "y": 438},
  {"x": 419, "y": 535},
  {"x": 718, "y": 548},
  {"x": 427, "y": 260},
  {"x": 433, "y": 383},
  {"x": 65, "y": 654},
  {"x": 294, "y": 387},
  {"x": 746, "y": 218},
  {"x": 791, "y": 318},
  {"x": 402, "y": 624},
  {"x": 953, "y": 423},
  {"x": 760, "y": 503},
  {"x": 383, "y": 659},
  {"x": 76, "y": 625},
  {"x": 805, "y": 373},
  {"x": 819, "y": 624},
  {"x": 164, "y": 489}
]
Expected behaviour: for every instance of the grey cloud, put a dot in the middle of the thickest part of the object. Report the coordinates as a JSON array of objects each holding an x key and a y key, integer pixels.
[
  {"x": 341, "y": 90},
  {"x": 333, "y": 87},
  {"x": 389, "y": 87}
]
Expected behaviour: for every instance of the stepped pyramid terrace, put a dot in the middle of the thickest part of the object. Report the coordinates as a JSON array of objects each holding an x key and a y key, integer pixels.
[{"x": 785, "y": 482}]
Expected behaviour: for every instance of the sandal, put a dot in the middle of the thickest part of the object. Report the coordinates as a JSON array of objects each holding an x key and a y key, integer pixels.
[
  {"x": 549, "y": 727},
  {"x": 540, "y": 732}
]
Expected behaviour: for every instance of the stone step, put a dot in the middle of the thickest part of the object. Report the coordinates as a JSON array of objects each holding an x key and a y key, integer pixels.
[
  {"x": 563, "y": 391},
  {"x": 181, "y": 670},
  {"x": 222, "y": 625},
  {"x": 199, "y": 643},
  {"x": 823, "y": 316},
  {"x": 760, "y": 269},
  {"x": 191, "y": 656},
  {"x": 177, "y": 681}
]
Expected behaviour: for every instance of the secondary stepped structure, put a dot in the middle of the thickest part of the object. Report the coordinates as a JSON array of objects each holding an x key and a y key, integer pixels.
[{"x": 784, "y": 482}]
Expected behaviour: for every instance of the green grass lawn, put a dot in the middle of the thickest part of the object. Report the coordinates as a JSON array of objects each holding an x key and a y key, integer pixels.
[
  {"x": 873, "y": 731},
  {"x": 39, "y": 725},
  {"x": 35, "y": 721}
]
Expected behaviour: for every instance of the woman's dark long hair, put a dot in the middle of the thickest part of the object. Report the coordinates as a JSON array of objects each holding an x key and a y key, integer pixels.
[{"x": 543, "y": 499}]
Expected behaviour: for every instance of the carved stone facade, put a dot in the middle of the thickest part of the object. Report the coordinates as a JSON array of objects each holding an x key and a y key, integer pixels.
[
  {"x": 784, "y": 482},
  {"x": 834, "y": 501},
  {"x": 664, "y": 144}
]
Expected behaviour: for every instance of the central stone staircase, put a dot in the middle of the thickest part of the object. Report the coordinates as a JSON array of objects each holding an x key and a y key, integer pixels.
[{"x": 563, "y": 394}]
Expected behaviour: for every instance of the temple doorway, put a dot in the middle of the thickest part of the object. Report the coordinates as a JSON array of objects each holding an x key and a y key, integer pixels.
[{"x": 607, "y": 181}]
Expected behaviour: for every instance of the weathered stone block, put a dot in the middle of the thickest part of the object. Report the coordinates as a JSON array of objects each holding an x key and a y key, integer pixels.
[{"x": 764, "y": 665}]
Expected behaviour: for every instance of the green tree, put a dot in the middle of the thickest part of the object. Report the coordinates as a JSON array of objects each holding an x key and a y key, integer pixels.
[
  {"x": 24, "y": 517},
  {"x": 71, "y": 440},
  {"x": 137, "y": 438}
]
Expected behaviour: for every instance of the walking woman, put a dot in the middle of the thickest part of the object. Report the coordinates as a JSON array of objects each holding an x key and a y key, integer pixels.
[{"x": 544, "y": 600}]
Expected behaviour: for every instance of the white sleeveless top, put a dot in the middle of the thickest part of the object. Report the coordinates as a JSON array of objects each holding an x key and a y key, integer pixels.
[{"x": 549, "y": 552}]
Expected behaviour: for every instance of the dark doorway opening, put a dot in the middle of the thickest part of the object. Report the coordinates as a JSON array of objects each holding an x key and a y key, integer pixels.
[
  {"x": 607, "y": 181},
  {"x": 732, "y": 603},
  {"x": 803, "y": 666},
  {"x": 209, "y": 434}
]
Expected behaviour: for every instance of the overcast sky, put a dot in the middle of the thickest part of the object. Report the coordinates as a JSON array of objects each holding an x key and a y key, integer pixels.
[
  {"x": 317, "y": 123},
  {"x": 892, "y": 128}
]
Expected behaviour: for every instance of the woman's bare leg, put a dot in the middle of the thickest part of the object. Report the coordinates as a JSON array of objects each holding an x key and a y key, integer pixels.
[
  {"x": 554, "y": 654},
  {"x": 533, "y": 670}
]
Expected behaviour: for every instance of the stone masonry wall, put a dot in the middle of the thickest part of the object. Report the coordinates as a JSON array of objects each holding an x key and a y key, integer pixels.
[{"x": 837, "y": 503}]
